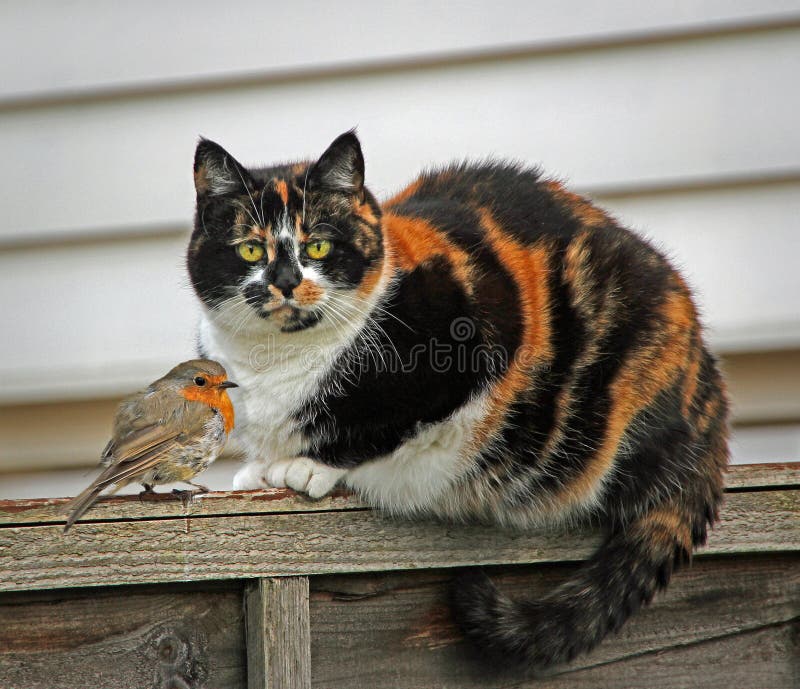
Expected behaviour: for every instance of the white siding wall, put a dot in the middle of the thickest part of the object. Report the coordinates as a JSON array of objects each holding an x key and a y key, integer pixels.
[
  {"x": 86, "y": 45},
  {"x": 681, "y": 117}
]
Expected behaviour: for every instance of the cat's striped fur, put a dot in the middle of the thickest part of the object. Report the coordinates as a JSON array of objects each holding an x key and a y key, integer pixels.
[{"x": 495, "y": 347}]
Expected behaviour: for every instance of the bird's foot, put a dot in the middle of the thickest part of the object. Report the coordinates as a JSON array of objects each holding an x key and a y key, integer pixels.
[
  {"x": 186, "y": 496},
  {"x": 147, "y": 492}
]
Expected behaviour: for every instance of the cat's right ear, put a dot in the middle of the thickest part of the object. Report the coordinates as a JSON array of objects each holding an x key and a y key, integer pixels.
[{"x": 217, "y": 172}]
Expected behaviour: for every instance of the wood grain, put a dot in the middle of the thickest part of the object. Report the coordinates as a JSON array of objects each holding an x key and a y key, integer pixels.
[
  {"x": 306, "y": 543},
  {"x": 125, "y": 638},
  {"x": 168, "y": 505},
  {"x": 722, "y": 623},
  {"x": 277, "y": 500},
  {"x": 278, "y": 634},
  {"x": 771, "y": 475}
]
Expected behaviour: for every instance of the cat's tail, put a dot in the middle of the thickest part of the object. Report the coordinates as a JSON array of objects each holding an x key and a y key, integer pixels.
[{"x": 623, "y": 574}]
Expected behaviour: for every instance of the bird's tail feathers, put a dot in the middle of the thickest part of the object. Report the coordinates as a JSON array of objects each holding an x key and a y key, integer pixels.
[{"x": 78, "y": 506}]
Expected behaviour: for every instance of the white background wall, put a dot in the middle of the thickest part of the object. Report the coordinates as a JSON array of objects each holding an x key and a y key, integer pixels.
[{"x": 681, "y": 117}]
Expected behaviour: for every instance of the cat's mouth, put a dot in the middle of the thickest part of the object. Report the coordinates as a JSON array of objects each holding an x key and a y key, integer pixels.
[
  {"x": 287, "y": 316},
  {"x": 285, "y": 307},
  {"x": 282, "y": 311}
]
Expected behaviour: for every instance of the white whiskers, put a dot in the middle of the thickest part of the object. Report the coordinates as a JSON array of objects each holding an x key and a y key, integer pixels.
[
  {"x": 305, "y": 182},
  {"x": 247, "y": 189}
]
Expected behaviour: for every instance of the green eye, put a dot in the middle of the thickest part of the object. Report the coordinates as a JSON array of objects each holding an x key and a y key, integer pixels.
[
  {"x": 250, "y": 252},
  {"x": 318, "y": 249}
]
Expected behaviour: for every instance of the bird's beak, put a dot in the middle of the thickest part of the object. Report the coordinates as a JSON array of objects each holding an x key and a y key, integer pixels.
[{"x": 228, "y": 384}]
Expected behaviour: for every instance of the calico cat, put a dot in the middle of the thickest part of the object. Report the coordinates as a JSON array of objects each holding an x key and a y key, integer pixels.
[{"x": 485, "y": 345}]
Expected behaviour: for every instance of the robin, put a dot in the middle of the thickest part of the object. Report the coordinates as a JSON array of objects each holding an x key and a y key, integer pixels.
[{"x": 167, "y": 433}]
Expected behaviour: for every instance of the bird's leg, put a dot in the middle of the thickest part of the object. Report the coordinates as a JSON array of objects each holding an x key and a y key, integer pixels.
[
  {"x": 187, "y": 495},
  {"x": 147, "y": 492}
]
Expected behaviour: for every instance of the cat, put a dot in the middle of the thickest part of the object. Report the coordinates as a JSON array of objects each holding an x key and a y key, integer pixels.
[{"x": 485, "y": 346}]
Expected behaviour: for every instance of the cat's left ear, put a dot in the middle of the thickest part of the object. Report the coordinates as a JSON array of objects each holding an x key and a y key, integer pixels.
[
  {"x": 340, "y": 168},
  {"x": 217, "y": 172}
]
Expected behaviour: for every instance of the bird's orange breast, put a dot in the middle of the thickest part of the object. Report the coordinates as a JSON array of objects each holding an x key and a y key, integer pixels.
[{"x": 215, "y": 398}]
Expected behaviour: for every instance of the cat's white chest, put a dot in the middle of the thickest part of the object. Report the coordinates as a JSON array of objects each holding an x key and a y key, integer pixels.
[
  {"x": 268, "y": 400},
  {"x": 274, "y": 383}
]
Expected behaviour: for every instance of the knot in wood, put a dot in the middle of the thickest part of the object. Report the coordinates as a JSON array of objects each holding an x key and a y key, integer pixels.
[{"x": 178, "y": 658}]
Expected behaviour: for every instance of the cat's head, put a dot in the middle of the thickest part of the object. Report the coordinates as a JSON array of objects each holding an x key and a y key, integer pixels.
[{"x": 286, "y": 248}]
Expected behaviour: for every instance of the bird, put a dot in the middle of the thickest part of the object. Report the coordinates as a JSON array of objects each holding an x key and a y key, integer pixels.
[{"x": 167, "y": 433}]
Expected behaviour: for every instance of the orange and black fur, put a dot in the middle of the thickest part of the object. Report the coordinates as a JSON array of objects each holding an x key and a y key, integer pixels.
[{"x": 578, "y": 386}]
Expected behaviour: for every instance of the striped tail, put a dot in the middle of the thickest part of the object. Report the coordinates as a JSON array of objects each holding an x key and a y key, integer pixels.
[{"x": 622, "y": 575}]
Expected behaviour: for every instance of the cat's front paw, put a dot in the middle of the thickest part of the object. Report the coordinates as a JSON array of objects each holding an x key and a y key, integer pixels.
[
  {"x": 250, "y": 477},
  {"x": 304, "y": 475}
]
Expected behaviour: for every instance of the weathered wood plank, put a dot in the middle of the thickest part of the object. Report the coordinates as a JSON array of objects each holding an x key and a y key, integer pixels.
[
  {"x": 722, "y": 623},
  {"x": 276, "y": 500},
  {"x": 253, "y": 546},
  {"x": 278, "y": 634},
  {"x": 123, "y": 638},
  {"x": 166, "y": 504},
  {"x": 305, "y": 543},
  {"x": 762, "y": 659},
  {"x": 772, "y": 475}
]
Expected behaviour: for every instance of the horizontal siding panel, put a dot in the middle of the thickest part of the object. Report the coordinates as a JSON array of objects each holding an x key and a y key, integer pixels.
[
  {"x": 739, "y": 248},
  {"x": 98, "y": 318},
  {"x": 679, "y": 112},
  {"x": 756, "y": 445},
  {"x": 93, "y": 319},
  {"x": 95, "y": 45},
  {"x": 40, "y": 437},
  {"x": 765, "y": 388}
]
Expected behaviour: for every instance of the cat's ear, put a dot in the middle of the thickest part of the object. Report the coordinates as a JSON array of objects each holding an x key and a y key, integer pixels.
[
  {"x": 217, "y": 172},
  {"x": 340, "y": 168}
]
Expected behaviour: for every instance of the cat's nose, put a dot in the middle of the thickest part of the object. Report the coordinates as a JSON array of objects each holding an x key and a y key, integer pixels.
[{"x": 286, "y": 277}]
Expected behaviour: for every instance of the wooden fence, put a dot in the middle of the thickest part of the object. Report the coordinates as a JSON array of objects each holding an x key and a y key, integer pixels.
[{"x": 269, "y": 590}]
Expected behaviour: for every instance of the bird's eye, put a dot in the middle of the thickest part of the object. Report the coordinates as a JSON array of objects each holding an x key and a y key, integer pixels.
[
  {"x": 250, "y": 251},
  {"x": 200, "y": 381},
  {"x": 318, "y": 249}
]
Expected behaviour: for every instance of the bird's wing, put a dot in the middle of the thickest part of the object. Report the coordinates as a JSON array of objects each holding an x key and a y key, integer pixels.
[
  {"x": 137, "y": 442},
  {"x": 137, "y": 415},
  {"x": 138, "y": 458},
  {"x": 121, "y": 472},
  {"x": 140, "y": 451},
  {"x": 165, "y": 417}
]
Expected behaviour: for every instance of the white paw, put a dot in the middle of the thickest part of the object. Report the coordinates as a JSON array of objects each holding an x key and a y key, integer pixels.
[
  {"x": 276, "y": 473},
  {"x": 304, "y": 475},
  {"x": 250, "y": 477}
]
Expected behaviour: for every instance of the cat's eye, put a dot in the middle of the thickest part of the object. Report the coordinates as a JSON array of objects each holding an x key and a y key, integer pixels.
[
  {"x": 250, "y": 251},
  {"x": 318, "y": 249}
]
